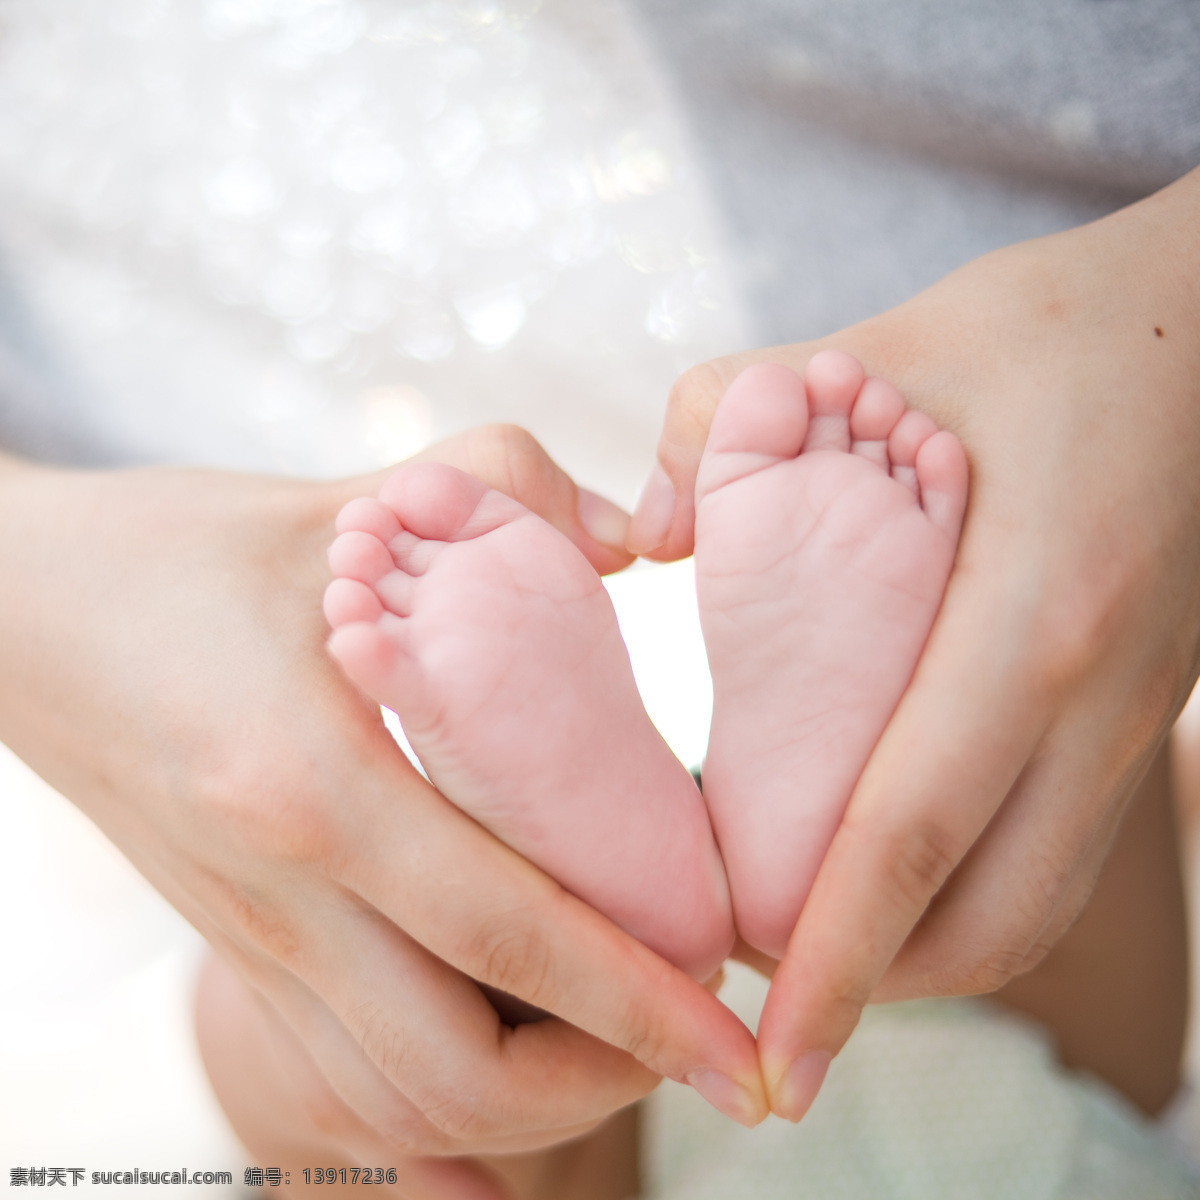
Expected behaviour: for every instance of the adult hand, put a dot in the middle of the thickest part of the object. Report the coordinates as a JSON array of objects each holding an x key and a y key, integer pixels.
[
  {"x": 163, "y": 665},
  {"x": 285, "y": 1113},
  {"x": 1069, "y": 637}
]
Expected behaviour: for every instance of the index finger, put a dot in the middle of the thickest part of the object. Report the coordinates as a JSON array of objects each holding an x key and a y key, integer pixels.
[
  {"x": 483, "y": 909},
  {"x": 958, "y": 742}
]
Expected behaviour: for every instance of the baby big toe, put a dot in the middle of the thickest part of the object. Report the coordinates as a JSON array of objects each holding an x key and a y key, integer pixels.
[
  {"x": 764, "y": 411},
  {"x": 433, "y": 500}
]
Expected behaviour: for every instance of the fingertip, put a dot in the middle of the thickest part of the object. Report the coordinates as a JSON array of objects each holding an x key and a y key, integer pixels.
[
  {"x": 798, "y": 1084},
  {"x": 651, "y": 523},
  {"x": 679, "y": 539},
  {"x": 745, "y": 1105},
  {"x": 604, "y": 527}
]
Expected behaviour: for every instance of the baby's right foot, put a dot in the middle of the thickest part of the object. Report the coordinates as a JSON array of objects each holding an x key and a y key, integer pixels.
[
  {"x": 827, "y": 519},
  {"x": 493, "y": 639}
]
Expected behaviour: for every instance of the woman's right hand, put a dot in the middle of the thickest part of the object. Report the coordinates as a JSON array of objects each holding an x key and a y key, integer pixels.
[
  {"x": 1068, "y": 638},
  {"x": 164, "y": 667}
]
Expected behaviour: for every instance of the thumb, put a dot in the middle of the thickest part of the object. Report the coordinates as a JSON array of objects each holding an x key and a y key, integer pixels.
[{"x": 512, "y": 461}]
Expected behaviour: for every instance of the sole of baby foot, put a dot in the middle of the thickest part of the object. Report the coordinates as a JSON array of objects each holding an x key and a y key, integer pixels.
[
  {"x": 828, "y": 516},
  {"x": 495, "y": 642}
]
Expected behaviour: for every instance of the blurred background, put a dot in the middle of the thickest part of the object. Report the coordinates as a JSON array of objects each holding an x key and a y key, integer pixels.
[{"x": 314, "y": 236}]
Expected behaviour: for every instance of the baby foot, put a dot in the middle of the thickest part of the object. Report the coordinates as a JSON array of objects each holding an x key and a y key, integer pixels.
[
  {"x": 826, "y": 525},
  {"x": 493, "y": 639}
]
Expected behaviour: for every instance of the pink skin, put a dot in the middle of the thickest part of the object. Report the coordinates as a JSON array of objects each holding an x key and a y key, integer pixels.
[
  {"x": 826, "y": 525},
  {"x": 493, "y": 639}
]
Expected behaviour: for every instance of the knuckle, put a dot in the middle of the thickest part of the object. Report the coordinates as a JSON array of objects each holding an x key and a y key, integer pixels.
[
  {"x": 844, "y": 999},
  {"x": 408, "y": 1133},
  {"x": 260, "y": 919},
  {"x": 989, "y": 973},
  {"x": 273, "y": 814},
  {"x": 508, "y": 951},
  {"x": 1081, "y": 617},
  {"x": 641, "y": 1034},
  {"x": 983, "y": 961},
  {"x": 383, "y": 1042},
  {"x": 458, "y": 1115},
  {"x": 919, "y": 860},
  {"x": 693, "y": 400},
  {"x": 508, "y": 458},
  {"x": 323, "y": 1110}
]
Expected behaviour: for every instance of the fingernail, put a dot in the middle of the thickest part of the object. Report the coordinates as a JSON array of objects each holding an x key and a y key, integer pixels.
[
  {"x": 652, "y": 518},
  {"x": 725, "y": 1095},
  {"x": 800, "y": 1084},
  {"x": 603, "y": 520}
]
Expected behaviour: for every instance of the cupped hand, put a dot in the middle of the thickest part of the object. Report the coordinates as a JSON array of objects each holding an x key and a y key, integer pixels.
[
  {"x": 164, "y": 666},
  {"x": 1069, "y": 636}
]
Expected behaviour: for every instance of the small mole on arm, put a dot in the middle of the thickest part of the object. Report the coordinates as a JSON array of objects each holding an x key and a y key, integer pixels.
[{"x": 1158, "y": 331}]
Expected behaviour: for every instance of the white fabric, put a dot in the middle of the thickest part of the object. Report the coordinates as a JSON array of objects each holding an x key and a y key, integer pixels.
[{"x": 935, "y": 1100}]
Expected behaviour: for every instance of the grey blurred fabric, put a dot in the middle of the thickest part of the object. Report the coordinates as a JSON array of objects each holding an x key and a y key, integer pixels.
[
  {"x": 42, "y": 414},
  {"x": 861, "y": 149}
]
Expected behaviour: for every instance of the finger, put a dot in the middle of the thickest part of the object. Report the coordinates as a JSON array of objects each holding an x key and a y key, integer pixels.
[
  {"x": 1032, "y": 871},
  {"x": 509, "y": 459},
  {"x": 457, "y": 1121},
  {"x": 286, "y": 1111},
  {"x": 478, "y": 1082},
  {"x": 916, "y": 811},
  {"x": 480, "y": 907},
  {"x": 410, "y": 1047},
  {"x": 378, "y": 994}
]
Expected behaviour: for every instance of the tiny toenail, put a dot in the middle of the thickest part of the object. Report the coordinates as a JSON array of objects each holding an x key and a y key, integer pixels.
[
  {"x": 725, "y": 1095},
  {"x": 655, "y": 511},
  {"x": 602, "y": 519},
  {"x": 800, "y": 1084}
]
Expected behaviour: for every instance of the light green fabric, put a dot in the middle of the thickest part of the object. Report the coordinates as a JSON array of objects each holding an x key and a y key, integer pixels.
[{"x": 937, "y": 1100}]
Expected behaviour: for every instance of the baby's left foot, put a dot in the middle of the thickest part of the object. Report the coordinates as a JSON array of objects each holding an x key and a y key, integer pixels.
[
  {"x": 827, "y": 519},
  {"x": 495, "y": 642}
]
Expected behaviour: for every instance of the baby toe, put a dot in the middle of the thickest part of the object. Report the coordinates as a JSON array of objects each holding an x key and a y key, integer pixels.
[{"x": 361, "y": 556}]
